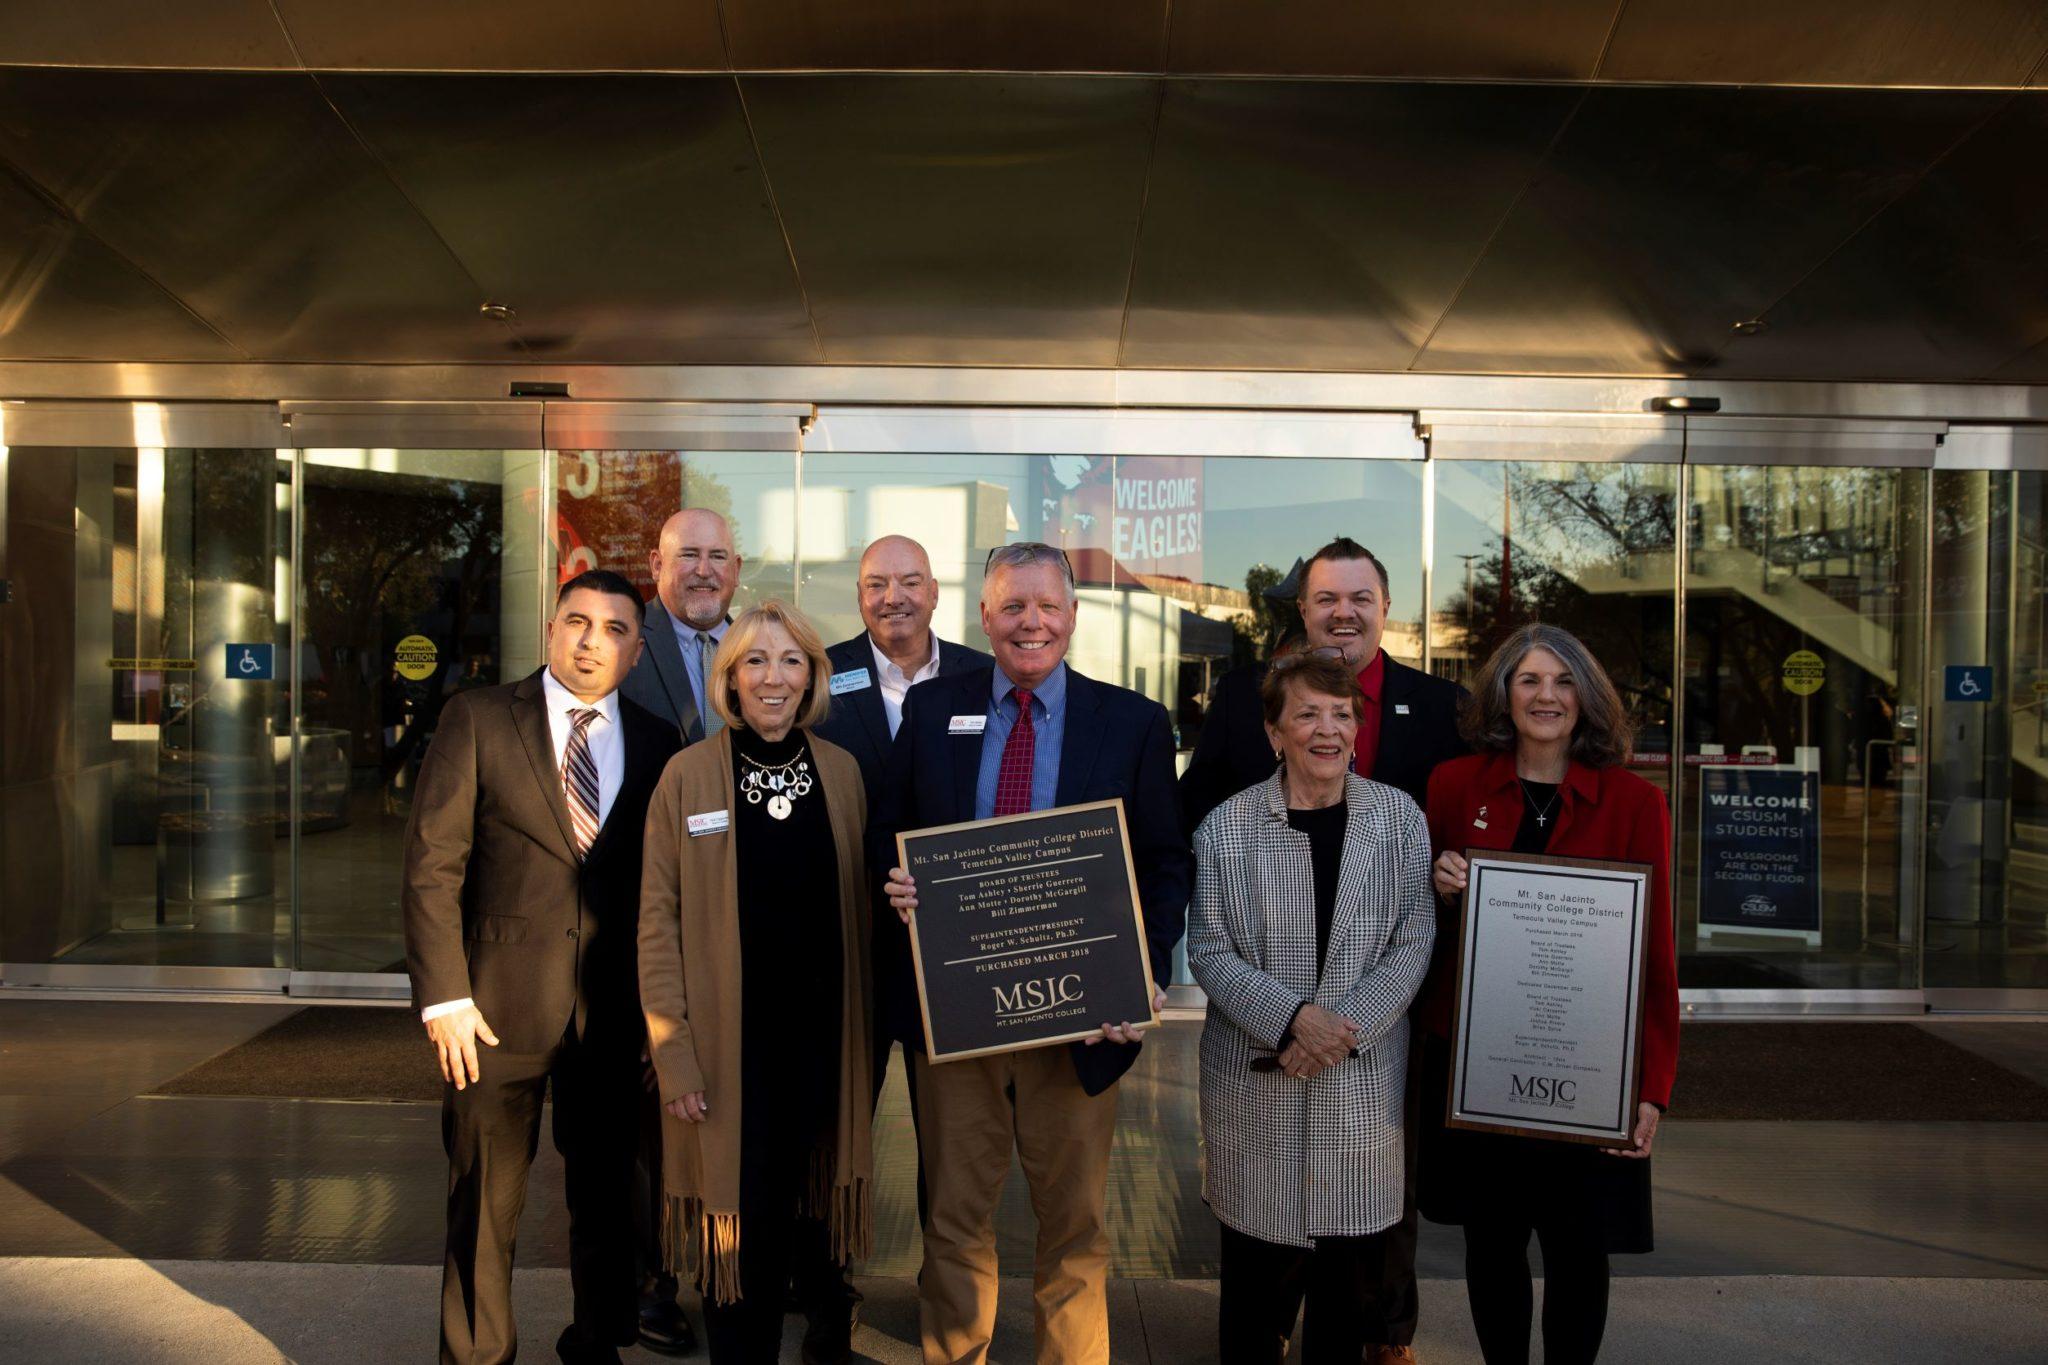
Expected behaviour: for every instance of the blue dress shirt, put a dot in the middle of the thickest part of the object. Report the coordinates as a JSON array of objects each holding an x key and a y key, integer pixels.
[
  {"x": 1048, "y": 718},
  {"x": 686, "y": 641}
]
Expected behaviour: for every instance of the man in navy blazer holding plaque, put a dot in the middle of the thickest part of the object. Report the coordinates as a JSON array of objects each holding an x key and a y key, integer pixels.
[{"x": 1028, "y": 734}]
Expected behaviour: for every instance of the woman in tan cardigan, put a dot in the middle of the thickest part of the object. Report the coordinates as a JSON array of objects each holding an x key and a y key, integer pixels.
[{"x": 754, "y": 976}]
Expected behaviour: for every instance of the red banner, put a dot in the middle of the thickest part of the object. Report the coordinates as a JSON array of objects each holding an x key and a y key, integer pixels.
[
  {"x": 1144, "y": 510},
  {"x": 609, "y": 510}
]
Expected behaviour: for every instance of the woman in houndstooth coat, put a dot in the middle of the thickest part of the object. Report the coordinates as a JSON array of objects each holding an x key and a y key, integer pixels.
[{"x": 1310, "y": 931}]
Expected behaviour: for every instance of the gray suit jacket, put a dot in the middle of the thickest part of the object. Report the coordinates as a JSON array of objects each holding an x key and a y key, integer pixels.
[
  {"x": 1289, "y": 1161},
  {"x": 659, "y": 682}
]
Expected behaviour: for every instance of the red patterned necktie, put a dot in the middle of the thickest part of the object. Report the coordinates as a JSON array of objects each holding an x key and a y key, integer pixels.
[
  {"x": 1013, "y": 778},
  {"x": 579, "y": 780}
]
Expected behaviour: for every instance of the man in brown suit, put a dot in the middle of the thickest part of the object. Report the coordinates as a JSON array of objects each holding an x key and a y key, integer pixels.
[{"x": 522, "y": 897}]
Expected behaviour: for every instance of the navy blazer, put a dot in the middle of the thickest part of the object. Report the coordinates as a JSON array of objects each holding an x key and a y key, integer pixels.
[
  {"x": 1232, "y": 751},
  {"x": 857, "y": 722},
  {"x": 1116, "y": 743},
  {"x": 658, "y": 681}
]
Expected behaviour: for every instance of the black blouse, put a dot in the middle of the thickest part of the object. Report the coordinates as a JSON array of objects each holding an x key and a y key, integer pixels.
[
  {"x": 791, "y": 978},
  {"x": 1324, "y": 827},
  {"x": 1537, "y": 797}
]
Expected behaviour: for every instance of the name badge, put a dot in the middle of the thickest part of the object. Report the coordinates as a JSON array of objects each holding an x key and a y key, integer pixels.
[
  {"x": 710, "y": 822},
  {"x": 852, "y": 680},
  {"x": 966, "y": 725},
  {"x": 1400, "y": 708}
]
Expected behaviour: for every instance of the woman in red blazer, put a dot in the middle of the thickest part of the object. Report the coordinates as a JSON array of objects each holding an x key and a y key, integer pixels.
[{"x": 1550, "y": 737}]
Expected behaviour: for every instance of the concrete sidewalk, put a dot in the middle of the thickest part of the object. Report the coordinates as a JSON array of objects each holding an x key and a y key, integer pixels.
[{"x": 57, "y": 1311}]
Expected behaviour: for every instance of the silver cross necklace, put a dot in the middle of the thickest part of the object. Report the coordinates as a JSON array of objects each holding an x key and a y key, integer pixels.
[{"x": 1543, "y": 815}]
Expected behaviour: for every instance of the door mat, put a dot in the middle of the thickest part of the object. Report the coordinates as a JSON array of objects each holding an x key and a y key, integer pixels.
[{"x": 1811, "y": 1071}]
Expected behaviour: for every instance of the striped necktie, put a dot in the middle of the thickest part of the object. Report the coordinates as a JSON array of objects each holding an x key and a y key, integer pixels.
[{"x": 579, "y": 780}]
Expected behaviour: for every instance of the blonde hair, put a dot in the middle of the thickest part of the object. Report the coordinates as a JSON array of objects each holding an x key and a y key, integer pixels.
[{"x": 743, "y": 635}]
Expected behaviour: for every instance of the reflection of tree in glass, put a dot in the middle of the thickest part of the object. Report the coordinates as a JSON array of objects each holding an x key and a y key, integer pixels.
[
  {"x": 709, "y": 492},
  {"x": 1573, "y": 526},
  {"x": 1272, "y": 622},
  {"x": 1593, "y": 515},
  {"x": 382, "y": 551}
]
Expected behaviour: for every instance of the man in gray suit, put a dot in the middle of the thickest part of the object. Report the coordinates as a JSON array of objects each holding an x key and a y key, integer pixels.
[{"x": 696, "y": 570}]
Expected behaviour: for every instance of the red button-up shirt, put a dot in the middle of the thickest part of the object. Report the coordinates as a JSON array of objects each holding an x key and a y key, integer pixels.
[
  {"x": 1367, "y": 747},
  {"x": 1474, "y": 802}
]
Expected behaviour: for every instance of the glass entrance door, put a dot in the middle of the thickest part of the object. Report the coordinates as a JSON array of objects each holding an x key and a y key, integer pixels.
[
  {"x": 1801, "y": 811},
  {"x": 145, "y": 725},
  {"x": 1987, "y": 745}
]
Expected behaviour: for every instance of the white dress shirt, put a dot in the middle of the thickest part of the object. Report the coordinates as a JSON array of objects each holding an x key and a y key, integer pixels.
[
  {"x": 607, "y": 750},
  {"x": 894, "y": 682}
]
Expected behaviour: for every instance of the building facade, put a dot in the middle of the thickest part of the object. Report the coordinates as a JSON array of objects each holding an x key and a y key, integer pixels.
[{"x": 231, "y": 618}]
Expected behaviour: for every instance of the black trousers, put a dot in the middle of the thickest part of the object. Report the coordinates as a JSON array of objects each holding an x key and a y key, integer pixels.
[
  {"x": 1264, "y": 1283},
  {"x": 491, "y": 1129},
  {"x": 1575, "y": 1279},
  {"x": 775, "y": 1243},
  {"x": 656, "y": 1284},
  {"x": 1397, "y": 1304}
]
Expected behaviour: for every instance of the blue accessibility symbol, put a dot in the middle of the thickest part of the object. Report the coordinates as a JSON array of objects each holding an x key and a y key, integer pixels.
[
  {"x": 1967, "y": 682},
  {"x": 251, "y": 662}
]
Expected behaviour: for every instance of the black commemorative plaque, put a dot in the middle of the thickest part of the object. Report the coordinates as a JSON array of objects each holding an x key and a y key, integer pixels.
[{"x": 1028, "y": 930}]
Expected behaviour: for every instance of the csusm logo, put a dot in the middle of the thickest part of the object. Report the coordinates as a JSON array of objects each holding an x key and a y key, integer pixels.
[
  {"x": 1036, "y": 996},
  {"x": 1759, "y": 905},
  {"x": 1545, "y": 1090}
]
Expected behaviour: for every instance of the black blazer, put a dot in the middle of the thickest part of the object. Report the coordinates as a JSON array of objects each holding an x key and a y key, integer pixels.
[
  {"x": 857, "y": 722},
  {"x": 1232, "y": 753},
  {"x": 497, "y": 908},
  {"x": 1116, "y": 743}
]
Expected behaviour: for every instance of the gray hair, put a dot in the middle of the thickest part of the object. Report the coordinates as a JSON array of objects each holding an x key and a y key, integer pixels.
[
  {"x": 1604, "y": 731},
  {"x": 1023, "y": 555}
]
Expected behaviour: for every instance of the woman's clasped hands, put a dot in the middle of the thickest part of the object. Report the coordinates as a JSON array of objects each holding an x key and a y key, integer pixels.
[{"x": 1322, "y": 1039}]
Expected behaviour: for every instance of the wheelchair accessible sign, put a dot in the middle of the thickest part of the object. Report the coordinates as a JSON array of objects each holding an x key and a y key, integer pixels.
[
  {"x": 1967, "y": 682},
  {"x": 251, "y": 662}
]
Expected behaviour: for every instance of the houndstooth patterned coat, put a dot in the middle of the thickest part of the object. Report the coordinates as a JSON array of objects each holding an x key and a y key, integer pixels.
[{"x": 1288, "y": 1161}]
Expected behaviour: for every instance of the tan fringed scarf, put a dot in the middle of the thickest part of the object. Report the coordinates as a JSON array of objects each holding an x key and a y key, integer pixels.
[{"x": 690, "y": 990}]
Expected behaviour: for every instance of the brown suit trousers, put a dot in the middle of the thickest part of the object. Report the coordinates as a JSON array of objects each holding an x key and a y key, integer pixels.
[{"x": 971, "y": 1115}]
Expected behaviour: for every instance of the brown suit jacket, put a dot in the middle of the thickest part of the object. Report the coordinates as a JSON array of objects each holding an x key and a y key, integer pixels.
[{"x": 497, "y": 907}]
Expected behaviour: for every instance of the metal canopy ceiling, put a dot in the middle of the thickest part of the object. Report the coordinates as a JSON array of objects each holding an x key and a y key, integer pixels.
[{"x": 1601, "y": 187}]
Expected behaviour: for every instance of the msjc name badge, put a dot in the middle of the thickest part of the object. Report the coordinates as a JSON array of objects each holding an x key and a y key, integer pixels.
[
  {"x": 967, "y": 725},
  {"x": 710, "y": 822}
]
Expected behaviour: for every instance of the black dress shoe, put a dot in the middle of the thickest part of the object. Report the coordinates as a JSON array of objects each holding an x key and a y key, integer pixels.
[
  {"x": 665, "y": 1329},
  {"x": 828, "y": 1335},
  {"x": 576, "y": 1349}
]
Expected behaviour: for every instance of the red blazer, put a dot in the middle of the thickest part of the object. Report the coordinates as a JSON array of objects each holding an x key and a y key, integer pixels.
[{"x": 1602, "y": 813}]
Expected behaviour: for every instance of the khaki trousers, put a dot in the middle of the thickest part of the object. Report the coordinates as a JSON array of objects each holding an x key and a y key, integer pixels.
[{"x": 971, "y": 1114}]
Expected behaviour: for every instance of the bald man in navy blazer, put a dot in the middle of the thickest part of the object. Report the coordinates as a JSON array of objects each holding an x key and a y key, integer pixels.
[
  {"x": 872, "y": 674},
  {"x": 1028, "y": 733}
]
